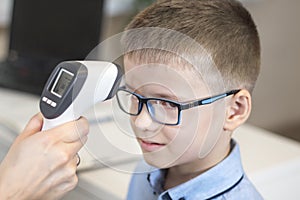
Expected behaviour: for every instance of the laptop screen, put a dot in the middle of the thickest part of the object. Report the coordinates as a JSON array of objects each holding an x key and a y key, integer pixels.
[
  {"x": 55, "y": 29},
  {"x": 44, "y": 33}
]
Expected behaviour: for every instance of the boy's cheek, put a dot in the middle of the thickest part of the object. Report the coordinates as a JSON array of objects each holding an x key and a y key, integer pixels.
[
  {"x": 185, "y": 140},
  {"x": 190, "y": 120},
  {"x": 196, "y": 126}
]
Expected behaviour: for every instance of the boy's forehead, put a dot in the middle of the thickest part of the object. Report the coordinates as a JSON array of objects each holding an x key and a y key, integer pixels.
[{"x": 183, "y": 81}]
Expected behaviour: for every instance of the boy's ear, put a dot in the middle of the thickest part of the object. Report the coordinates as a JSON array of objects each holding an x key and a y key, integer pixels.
[{"x": 237, "y": 110}]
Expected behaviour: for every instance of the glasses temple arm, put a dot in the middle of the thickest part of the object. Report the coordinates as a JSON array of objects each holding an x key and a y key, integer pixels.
[{"x": 208, "y": 100}]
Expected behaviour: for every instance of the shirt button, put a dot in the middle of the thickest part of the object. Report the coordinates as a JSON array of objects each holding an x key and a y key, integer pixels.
[{"x": 166, "y": 196}]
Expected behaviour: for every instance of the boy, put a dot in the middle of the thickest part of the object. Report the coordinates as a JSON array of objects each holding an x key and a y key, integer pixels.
[{"x": 190, "y": 68}]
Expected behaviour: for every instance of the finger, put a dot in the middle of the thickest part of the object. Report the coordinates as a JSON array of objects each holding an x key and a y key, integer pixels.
[
  {"x": 68, "y": 185},
  {"x": 80, "y": 129},
  {"x": 65, "y": 152},
  {"x": 75, "y": 147},
  {"x": 75, "y": 162},
  {"x": 34, "y": 125},
  {"x": 72, "y": 164},
  {"x": 65, "y": 178},
  {"x": 71, "y": 131}
]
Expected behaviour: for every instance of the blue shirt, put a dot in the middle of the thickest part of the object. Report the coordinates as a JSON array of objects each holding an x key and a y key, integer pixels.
[{"x": 226, "y": 180}]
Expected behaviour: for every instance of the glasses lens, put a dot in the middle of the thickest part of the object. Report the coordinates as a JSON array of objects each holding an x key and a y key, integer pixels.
[
  {"x": 128, "y": 102},
  {"x": 163, "y": 111}
]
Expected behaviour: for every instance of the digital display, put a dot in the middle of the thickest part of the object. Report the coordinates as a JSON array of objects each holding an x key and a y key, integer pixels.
[{"x": 62, "y": 82}]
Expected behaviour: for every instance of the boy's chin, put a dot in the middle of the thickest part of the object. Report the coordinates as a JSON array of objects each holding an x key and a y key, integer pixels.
[{"x": 156, "y": 160}]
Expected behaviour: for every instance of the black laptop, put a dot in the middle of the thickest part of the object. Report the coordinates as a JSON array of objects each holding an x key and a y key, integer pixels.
[{"x": 44, "y": 33}]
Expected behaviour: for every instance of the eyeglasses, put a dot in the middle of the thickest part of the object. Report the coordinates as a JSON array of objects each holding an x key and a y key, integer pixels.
[{"x": 163, "y": 111}]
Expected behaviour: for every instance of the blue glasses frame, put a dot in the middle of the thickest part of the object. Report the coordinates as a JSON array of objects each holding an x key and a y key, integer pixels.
[{"x": 180, "y": 105}]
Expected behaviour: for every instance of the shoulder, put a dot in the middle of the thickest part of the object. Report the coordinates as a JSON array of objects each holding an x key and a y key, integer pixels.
[{"x": 226, "y": 180}]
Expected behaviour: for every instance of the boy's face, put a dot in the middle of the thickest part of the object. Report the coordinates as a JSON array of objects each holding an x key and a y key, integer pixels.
[{"x": 163, "y": 145}]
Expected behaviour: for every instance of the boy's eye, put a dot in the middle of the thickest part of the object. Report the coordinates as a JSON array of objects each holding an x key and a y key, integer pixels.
[
  {"x": 166, "y": 104},
  {"x": 133, "y": 98}
]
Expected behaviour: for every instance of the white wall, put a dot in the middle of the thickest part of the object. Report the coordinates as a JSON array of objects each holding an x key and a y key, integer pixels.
[
  {"x": 5, "y": 12},
  {"x": 277, "y": 94}
]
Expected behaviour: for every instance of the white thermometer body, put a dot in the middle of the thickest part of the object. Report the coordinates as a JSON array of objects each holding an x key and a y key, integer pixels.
[{"x": 75, "y": 86}]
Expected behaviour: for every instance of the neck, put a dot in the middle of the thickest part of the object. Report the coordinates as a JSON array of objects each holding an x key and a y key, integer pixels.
[{"x": 179, "y": 174}]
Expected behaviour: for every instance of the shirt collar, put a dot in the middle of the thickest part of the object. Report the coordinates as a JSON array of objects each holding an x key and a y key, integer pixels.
[
  {"x": 156, "y": 180},
  {"x": 216, "y": 180}
]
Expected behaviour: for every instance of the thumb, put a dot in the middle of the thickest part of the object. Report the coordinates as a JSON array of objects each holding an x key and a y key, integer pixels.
[{"x": 33, "y": 126}]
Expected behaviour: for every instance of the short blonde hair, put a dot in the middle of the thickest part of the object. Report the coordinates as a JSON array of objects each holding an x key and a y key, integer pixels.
[{"x": 224, "y": 28}]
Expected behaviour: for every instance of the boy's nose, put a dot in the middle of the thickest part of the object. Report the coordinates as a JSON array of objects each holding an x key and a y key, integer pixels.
[{"x": 144, "y": 121}]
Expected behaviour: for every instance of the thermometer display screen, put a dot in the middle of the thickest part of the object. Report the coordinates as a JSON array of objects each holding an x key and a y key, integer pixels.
[{"x": 62, "y": 82}]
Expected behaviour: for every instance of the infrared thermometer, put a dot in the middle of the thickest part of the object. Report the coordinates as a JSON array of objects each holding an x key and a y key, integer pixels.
[{"x": 75, "y": 86}]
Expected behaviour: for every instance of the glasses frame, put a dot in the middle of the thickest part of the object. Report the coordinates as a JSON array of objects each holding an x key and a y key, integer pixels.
[{"x": 180, "y": 105}]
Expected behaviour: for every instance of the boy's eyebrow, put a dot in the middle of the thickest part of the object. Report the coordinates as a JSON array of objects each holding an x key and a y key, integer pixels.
[
  {"x": 129, "y": 87},
  {"x": 157, "y": 94},
  {"x": 166, "y": 96}
]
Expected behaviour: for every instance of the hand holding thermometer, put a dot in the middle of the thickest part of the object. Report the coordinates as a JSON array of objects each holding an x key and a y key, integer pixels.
[{"x": 75, "y": 86}]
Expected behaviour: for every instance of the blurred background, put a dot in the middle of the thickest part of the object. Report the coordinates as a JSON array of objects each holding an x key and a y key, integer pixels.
[{"x": 276, "y": 97}]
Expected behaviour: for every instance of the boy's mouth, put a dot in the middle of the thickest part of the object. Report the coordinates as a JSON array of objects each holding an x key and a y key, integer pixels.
[{"x": 150, "y": 146}]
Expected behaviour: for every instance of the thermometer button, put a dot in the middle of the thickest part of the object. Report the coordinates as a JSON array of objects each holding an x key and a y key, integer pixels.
[
  {"x": 49, "y": 101},
  {"x": 44, "y": 99},
  {"x": 53, "y": 104}
]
